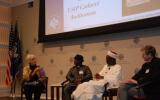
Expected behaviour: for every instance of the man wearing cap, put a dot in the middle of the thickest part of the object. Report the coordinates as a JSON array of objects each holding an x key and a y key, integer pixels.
[
  {"x": 111, "y": 74},
  {"x": 78, "y": 74}
]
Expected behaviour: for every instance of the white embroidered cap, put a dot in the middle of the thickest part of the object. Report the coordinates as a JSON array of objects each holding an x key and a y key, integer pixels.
[{"x": 112, "y": 54}]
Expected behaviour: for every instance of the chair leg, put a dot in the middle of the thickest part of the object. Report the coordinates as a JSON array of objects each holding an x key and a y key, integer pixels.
[
  {"x": 21, "y": 96},
  {"x": 104, "y": 98},
  {"x": 46, "y": 96},
  {"x": 63, "y": 93},
  {"x": 110, "y": 97}
]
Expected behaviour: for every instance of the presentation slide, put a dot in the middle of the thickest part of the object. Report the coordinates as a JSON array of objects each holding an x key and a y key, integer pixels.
[{"x": 71, "y": 15}]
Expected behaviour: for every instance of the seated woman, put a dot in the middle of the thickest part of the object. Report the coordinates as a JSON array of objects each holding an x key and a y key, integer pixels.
[
  {"x": 93, "y": 90},
  {"x": 33, "y": 76}
]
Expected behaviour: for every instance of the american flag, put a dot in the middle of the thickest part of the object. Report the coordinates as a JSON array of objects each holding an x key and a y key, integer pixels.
[
  {"x": 8, "y": 73},
  {"x": 14, "y": 61}
]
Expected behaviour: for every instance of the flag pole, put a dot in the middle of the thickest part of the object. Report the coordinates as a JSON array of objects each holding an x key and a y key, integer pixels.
[{"x": 13, "y": 85}]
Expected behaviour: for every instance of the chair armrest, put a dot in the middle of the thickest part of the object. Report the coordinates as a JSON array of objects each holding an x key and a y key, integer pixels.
[
  {"x": 105, "y": 86},
  {"x": 142, "y": 85},
  {"x": 64, "y": 82}
]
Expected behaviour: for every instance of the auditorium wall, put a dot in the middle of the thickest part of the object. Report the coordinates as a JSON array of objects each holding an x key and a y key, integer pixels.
[
  {"x": 5, "y": 20},
  {"x": 57, "y": 57}
]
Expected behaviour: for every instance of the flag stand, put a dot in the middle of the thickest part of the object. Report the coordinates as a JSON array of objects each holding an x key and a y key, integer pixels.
[{"x": 13, "y": 86}]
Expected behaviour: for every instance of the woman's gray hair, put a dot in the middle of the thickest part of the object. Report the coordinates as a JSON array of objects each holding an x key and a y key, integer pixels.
[{"x": 30, "y": 57}]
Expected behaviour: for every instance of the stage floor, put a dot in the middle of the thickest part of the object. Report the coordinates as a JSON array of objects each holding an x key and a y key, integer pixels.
[{"x": 10, "y": 98}]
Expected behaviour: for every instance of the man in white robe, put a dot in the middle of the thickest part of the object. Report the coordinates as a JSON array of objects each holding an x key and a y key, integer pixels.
[{"x": 93, "y": 90}]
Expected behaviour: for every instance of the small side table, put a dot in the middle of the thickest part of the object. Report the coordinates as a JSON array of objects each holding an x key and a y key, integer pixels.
[{"x": 58, "y": 88}]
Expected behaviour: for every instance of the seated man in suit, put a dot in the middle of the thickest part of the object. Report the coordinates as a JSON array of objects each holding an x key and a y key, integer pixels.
[
  {"x": 148, "y": 77},
  {"x": 93, "y": 90},
  {"x": 78, "y": 74}
]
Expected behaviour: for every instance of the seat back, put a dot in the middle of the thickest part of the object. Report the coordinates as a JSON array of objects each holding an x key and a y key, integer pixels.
[{"x": 45, "y": 90}]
